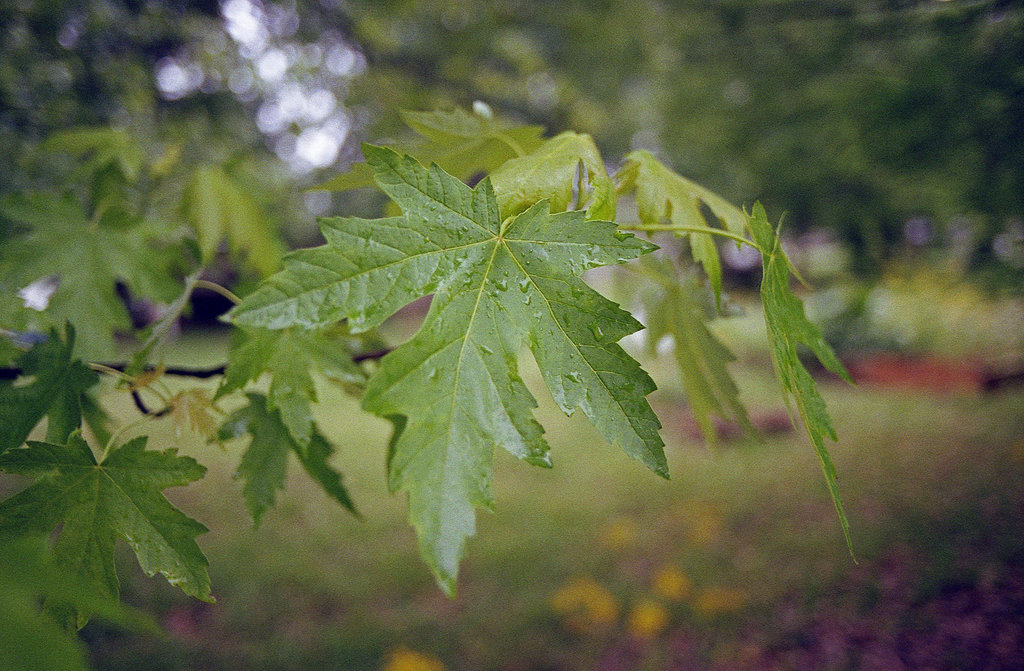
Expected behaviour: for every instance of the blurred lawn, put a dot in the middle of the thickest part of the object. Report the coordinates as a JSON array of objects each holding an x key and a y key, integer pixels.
[{"x": 737, "y": 562}]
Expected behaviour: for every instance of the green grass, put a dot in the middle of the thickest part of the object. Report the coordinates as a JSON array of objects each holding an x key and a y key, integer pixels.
[{"x": 930, "y": 482}]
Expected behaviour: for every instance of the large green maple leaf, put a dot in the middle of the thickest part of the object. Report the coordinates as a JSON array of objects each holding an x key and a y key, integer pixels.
[
  {"x": 98, "y": 502},
  {"x": 453, "y": 389},
  {"x": 88, "y": 257}
]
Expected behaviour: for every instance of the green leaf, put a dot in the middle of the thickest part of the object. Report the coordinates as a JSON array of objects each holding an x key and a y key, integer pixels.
[
  {"x": 159, "y": 331},
  {"x": 51, "y": 384},
  {"x": 675, "y": 311},
  {"x": 455, "y": 382},
  {"x": 217, "y": 209},
  {"x": 29, "y": 639},
  {"x": 290, "y": 355},
  {"x": 100, "y": 147},
  {"x": 88, "y": 258},
  {"x": 663, "y": 195},
  {"x": 96, "y": 503},
  {"x": 463, "y": 144},
  {"x": 788, "y": 328},
  {"x": 265, "y": 460},
  {"x": 567, "y": 162}
]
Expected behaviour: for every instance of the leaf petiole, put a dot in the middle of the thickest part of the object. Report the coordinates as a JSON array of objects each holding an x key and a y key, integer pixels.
[
  {"x": 512, "y": 144},
  {"x": 223, "y": 291},
  {"x": 691, "y": 229}
]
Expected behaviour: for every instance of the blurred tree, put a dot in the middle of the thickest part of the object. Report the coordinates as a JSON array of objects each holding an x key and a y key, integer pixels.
[
  {"x": 854, "y": 115},
  {"x": 861, "y": 116}
]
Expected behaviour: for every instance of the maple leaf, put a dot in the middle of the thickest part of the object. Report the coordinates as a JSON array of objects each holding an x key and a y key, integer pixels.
[
  {"x": 52, "y": 384},
  {"x": 98, "y": 148},
  {"x": 663, "y": 195},
  {"x": 463, "y": 144},
  {"x": 453, "y": 390},
  {"x": 265, "y": 461},
  {"x": 788, "y": 327},
  {"x": 192, "y": 408},
  {"x": 565, "y": 163},
  {"x": 675, "y": 311},
  {"x": 98, "y": 502},
  {"x": 290, "y": 354},
  {"x": 88, "y": 258},
  {"x": 217, "y": 208}
]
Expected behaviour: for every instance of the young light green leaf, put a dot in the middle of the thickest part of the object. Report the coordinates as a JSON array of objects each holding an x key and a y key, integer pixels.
[
  {"x": 52, "y": 384},
  {"x": 664, "y": 195},
  {"x": 217, "y": 209},
  {"x": 290, "y": 355},
  {"x": 567, "y": 162},
  {"x": 455, "y": 382},
  {"x": 96, "y": 503},
  {"x": 675, "y": 311},
  {"x": 100, "y": 147},
  {"x": 265, "y": 461},
  {"x": 463, "y": 144},
  {"x": 88, "y": 259},
  {"x": 788, "y": 327}
]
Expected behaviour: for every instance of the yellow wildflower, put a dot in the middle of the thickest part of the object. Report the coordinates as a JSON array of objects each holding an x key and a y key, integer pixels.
[
  {"x": 703, "y": 524},
  {"x": 671, "y": 584},
  {"x": 647, "y": 619},
  {"x": 585, "y": 605},
  {"x": 403, "y": 659},
  {"x": 618, "y": 534},
  {"x": 715, "y": 600}
]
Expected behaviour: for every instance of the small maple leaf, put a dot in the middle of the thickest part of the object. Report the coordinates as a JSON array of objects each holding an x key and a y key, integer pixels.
[
  {"x": 453, "y": 391},
  {"x": 52, "y": 384},
  {"x": 192, "y": 409},
  {"x": 98, "y": 502},
  {"x": 265, "y": 461},
  {"x": 290, "y": 355}
]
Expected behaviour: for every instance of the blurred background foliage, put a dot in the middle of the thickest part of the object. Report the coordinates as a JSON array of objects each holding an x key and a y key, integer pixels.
[
  {"x": 889, "y": 124},
  {"x": 889, "y": 132}
]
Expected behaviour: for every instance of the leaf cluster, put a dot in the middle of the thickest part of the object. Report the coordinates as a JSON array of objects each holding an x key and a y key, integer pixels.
[{"x": 497, "y": 223}]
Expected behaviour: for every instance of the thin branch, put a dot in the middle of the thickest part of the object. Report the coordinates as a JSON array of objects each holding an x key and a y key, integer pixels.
[
  {"x": 374, "y": 354},
  {"x": 13, "y": 373}
]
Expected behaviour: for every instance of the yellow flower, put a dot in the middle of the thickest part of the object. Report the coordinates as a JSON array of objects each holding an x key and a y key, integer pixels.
[
  {"x": 715, "y": 600},
  {"x": 618, "y": 534},
  {"x": 703, "y": 524},
  {"x": 403, "y": 659},
  {"x": 671, "y": 584},
  {"x": 647, "y": 619},
  {"x": 585, "y": 605}
]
